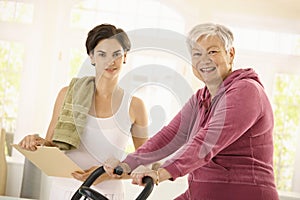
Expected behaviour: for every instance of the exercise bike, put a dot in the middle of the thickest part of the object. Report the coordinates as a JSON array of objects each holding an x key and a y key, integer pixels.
[{"x": 91, "y": 194}]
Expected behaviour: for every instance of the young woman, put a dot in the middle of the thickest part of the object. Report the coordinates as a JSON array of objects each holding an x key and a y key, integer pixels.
[{"x": 94, "y": 117}]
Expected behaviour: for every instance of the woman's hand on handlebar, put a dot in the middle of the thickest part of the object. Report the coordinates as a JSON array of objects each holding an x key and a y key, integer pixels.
[
  {"x": 140, "y": 172},
  {"x": 111, "y": 164}
]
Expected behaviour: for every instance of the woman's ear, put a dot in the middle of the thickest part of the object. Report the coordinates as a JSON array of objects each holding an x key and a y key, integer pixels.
[{"x": 231, "y": 55}]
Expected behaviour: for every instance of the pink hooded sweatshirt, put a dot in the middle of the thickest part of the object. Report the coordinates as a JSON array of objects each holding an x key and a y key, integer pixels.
[{"x": 224, "y": 144}]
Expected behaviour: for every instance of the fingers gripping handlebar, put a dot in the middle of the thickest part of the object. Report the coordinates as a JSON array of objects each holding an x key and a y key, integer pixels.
[{"x": 86, "y": 191}]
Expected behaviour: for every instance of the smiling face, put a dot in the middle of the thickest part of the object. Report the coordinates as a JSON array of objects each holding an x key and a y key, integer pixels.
[
  {"x": 108, "y": 57},
  {"x": 211, "y": 62}
]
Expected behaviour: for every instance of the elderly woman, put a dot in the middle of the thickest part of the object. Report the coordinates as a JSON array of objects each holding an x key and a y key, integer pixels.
[{"x": 222, "y": 137}]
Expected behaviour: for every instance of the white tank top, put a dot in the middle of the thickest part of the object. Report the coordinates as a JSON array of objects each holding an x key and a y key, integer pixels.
[
  {"x": 101, "y": 139},
  {"x": 104, "y": 138}
]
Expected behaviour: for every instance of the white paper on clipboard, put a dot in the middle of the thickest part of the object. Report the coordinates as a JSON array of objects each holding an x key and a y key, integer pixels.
[{"x": 50, "y": 160}]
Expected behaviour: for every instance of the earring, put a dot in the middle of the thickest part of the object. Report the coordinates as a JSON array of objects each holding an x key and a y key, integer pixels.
[
  {"x": 93, "y": 64},
  {"x": 124, "y": 62}
]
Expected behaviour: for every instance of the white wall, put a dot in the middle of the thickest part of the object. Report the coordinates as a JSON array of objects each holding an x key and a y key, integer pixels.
[{"x": 14, "y": 177}]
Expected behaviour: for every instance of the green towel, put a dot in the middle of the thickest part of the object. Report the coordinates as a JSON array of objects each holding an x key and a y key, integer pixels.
[{"x": 72, "y": 118}]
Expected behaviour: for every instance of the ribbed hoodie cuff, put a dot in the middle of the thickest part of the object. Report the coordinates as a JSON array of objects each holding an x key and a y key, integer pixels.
[{"x": 173, "y": 170}]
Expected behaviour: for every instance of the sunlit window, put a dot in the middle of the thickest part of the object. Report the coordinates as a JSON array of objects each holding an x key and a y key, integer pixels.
[
  {"x": 11, "y": 63},
  {"x": 15, "y": 11},
  {"x": 287, "y": 128},
  {"x": 267, "y": 41},
  {"x": 131, "y": 14},
  {"x": 77, "y": 57}
]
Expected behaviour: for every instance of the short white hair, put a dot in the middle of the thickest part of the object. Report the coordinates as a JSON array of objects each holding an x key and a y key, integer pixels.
[{"x": 210, "y": 29}]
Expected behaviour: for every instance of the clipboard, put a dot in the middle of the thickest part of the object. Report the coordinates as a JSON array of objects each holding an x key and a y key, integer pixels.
[{"x": 50, "y": 160}]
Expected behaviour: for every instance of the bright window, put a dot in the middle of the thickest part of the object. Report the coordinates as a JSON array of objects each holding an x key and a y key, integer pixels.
[
  {"x": 130, "y": 14},
  {"x": 15, "y": 11},
  {"x": 267, "y": 41},
  {"x": 11, "y": 63},
  {"x": 12, "y": 59},
  {"x": 77, "y": 56},
  {"x": 287, "y": 128}
]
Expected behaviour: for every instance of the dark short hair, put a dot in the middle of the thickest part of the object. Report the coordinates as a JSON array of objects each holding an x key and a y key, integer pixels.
[{"x": 106, "y": 31}]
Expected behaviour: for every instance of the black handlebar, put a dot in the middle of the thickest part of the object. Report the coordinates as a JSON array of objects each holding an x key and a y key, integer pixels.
[
  {"x": 86, "y": 191},
  {"x": 147, "y": 189},
  {"x": 89, "y": 181}
]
